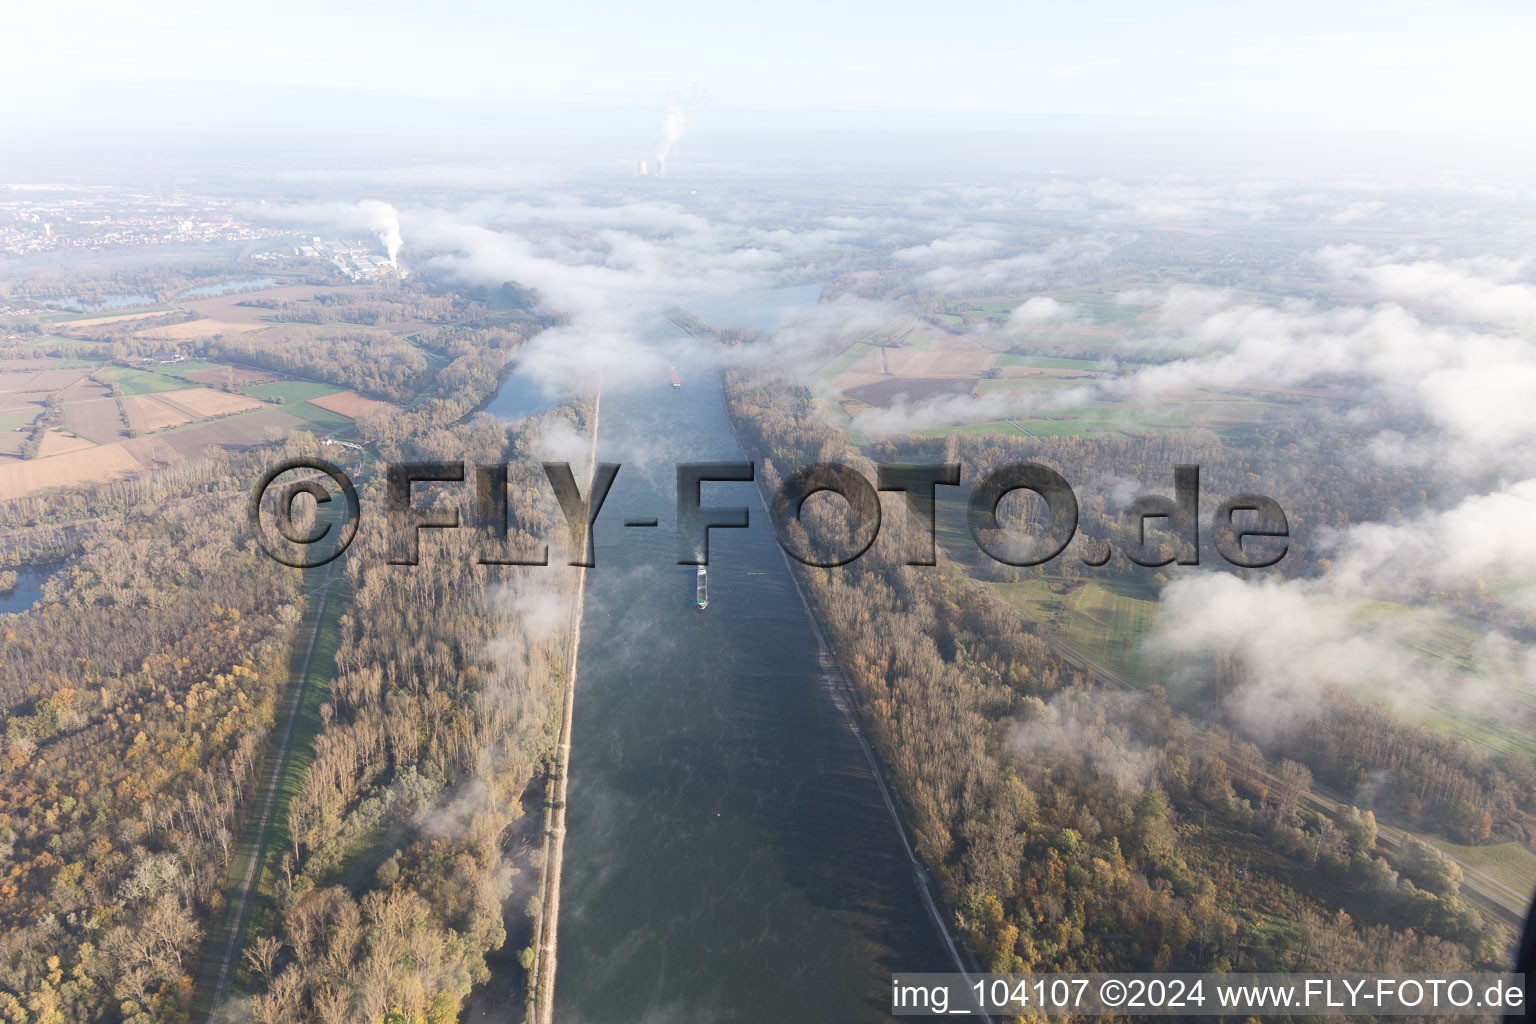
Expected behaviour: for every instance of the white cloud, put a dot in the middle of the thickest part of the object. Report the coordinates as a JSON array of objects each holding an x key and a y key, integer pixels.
[
  {"x": 1037, "y": 310},
  {"x": 1486, "y": 289}
]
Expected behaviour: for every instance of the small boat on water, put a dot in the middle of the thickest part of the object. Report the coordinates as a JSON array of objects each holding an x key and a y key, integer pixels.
[
  {"x": 703, "y": 588},
  {"x": 677, "y": 381}
]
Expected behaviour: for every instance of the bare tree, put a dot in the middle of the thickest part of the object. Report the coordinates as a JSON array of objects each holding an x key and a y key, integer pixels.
[{"x": 262, "y": 954}]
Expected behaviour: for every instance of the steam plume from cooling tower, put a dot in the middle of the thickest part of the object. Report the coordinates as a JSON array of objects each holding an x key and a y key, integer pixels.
[
  {"x": 384, "y": 219},
  {"x": 674, "y": 123}
]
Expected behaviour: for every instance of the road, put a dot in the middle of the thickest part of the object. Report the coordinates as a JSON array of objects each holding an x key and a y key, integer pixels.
[{"x": 1485, "y": 891}]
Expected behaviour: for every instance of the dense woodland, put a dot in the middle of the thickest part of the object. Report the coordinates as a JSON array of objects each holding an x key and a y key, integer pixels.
[
  {"x": 1294, "y": 460},
  {"x": 454, "y": 352},
  {"x": 1074, "y": 827},
  {"x": 378, "y": 364},
  {"x": 443, "y": 710},
  {"x": 130, "y": 753},
  {"x": 373, "y": 307},
  {"x": 1429, "y": 778}
]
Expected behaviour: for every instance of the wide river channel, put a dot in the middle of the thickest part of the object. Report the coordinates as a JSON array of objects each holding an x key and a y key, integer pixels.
[{"x": 729, "y": 854}]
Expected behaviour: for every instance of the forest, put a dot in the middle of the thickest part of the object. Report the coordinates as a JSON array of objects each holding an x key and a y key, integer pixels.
[
  {"x": 1439, "y": 781},
  {"x": 442, "y": 713},
  {"x": 455, "y": 352},
  {"x": 130, "y": 755},
  {"x": 1076, "y": 827}
]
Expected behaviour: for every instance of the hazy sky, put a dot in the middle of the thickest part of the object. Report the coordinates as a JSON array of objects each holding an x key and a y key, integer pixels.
[
  {"x": 383, "y": 67},
  {"x": 1296, "y": 64}
]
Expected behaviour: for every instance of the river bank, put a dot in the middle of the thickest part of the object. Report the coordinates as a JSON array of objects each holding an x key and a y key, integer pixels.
[
  {"x": 844, "y": 695},
  {"x": 542, "y": 986},
  {"x": 730, "y": 854}
]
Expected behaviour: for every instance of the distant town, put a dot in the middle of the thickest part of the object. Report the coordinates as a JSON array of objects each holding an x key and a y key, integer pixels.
[{"x": 38, "y": 220}]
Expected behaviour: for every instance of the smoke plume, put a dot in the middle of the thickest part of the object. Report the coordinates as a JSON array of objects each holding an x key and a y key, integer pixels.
[
  {"x": 385, "y": 220},
  {"x": 674, "y": 123}
]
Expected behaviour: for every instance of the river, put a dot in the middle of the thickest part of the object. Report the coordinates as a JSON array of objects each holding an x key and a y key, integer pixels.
[{"x": 729, "y": 855}]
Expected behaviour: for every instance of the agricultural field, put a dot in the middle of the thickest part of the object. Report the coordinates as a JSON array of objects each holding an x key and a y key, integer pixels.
[
  {"x": 1107, "y": 619},
  {"x": 58, "y": 442},
  {"x": 1459, "y": 651},
  {"x": 1104, "y": 619},
  {"x": 972, "y": 348},
  {"x": 188, "y": 368},
  {"x": 1512, "y": 864},
  {"x": 116, "y": 420},
  {"x": 898, "y": 390},
  {"x": 982, "y": 429},
  {"x": 96, "y": 464},
  {"x": 1052, "y": 363},
  {"x": 49, "y": 377},
  {"x": 139, "y": 382},
  {"x": 217, "y": 375},
  {"x": 323, "y": 406},
  {"x": 1024, "y": 384},
  {"x": 838, "y": 364},
  {"x": 292, "y": 392},
  {"x": 72, "y": 344},
  {"x": 1099, "y": 335},
  {"x": 206, "y": 403},
  {"x": 12, "y": 419},
  {"x": 93, "y": 319},
  {"x": 147, "y": 413},
  {"x": 192, "y": 440},
  {"x": 227, "y": 314},
  {"x": 92, "y": 411},
  {"x": 1073, "y": 423},
  {"x": 349, "y": 404}
]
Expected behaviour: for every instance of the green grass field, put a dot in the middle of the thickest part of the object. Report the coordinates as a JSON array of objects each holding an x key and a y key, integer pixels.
[
  {"x": 292, "y": 392},
  {"x": 950, "y": 528},
  {"x": 1117, "y": 417},
  {"x": 1102, "y": 308},
  {"x": 996, "y": 307},
  {"x": 307, "y": 724},
  {"x": 840, "y": 362},
  {"x": 979, "y": 429},
  {"x": 1105, "y": 619},
  {"x": 141, "y": 382},
  {"x": 71, "y": 344},
  {"x": 1026, "y": 385},
  {"x": 333, "y": 422},
  {"x": 1074, "y": 424},
  {"x": 1448, "y": 643},
  {"x": 317, "y": 689},
  {"x": 1011, "y": 428},
  {"x": 296, "y": 395},
  {"x": 1510, "y": 863},
  {"x": 1051, "y": 362},
  {"x": 194, "y": 366},
  {"x": 17, "y": 418},
  {"x": 64, "y": 318}
]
